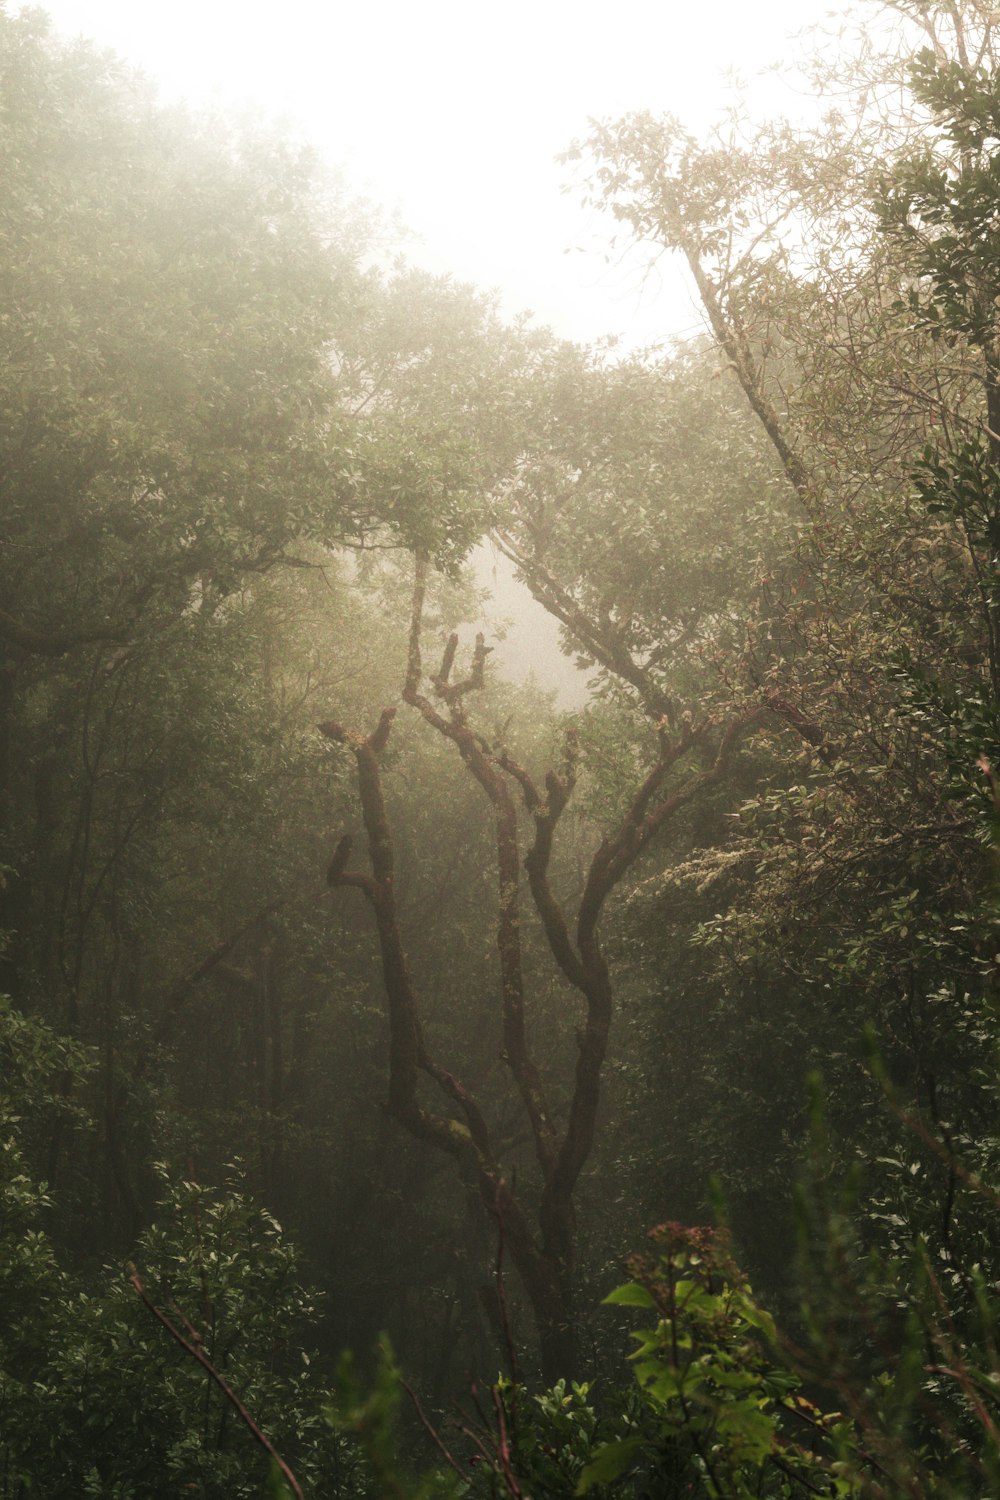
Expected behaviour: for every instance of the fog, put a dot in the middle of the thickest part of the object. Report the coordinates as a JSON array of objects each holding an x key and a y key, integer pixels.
[{"x": 452, "y": 115}]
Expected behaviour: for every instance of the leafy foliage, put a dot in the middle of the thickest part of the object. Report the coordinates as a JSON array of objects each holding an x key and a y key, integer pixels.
[{"x": 217, "y": 429}]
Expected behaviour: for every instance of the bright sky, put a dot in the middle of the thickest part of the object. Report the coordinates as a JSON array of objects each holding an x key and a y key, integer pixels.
[{"x": 452, "y": 111}]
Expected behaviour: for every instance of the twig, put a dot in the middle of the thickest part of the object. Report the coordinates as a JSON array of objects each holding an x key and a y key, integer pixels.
[
  {"x": 179, "y": 994},
  {"x": 226, "y": 1389},
  {"x": 433, "y": 1433},
  {"x": 503, "y": 1447}
]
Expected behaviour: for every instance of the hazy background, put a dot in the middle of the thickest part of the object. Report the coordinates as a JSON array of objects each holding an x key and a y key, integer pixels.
[{"x": 451, "y": 114}]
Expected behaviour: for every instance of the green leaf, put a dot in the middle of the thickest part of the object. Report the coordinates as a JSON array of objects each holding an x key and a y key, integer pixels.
[
  {"x": 608, "y": 1463},
  {"x": 277, "y": 1489},
  {"x": 630, "y": 1294}
]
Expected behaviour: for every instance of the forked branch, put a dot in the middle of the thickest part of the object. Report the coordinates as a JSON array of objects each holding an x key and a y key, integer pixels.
[
  {"x": 408, "y": 1054},
  {"x": 483, "y": 766},
  {"x": 544, "y": 1264}
]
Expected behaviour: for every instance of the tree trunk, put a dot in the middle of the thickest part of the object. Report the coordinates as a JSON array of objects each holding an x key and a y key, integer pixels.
[{"x": 557, "y": 1342}]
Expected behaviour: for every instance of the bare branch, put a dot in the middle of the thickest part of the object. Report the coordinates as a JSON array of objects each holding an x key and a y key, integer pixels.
[
  {"x": 600, "y": 641},
  {"x": 34, "y": 642},
  {"x": 447, "y": 662},
  {"x": 341, "y": 855},
  {"x": 196, "y": 1354},
  {"x": 182, "y": 989},
  {"x": 736, "y": 346},
  {"x": 414, "y": 668},
  {"x": 484, "y": 768},
  {"x": 433, "y": 1433},
  {"x": 546, "y": 813}
]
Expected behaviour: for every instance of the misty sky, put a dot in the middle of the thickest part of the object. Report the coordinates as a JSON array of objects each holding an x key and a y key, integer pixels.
[{"x": 453, "y": 113}]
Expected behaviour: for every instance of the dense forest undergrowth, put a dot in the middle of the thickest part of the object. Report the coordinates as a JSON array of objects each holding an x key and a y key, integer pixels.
[{"x": 356, "y": 998}]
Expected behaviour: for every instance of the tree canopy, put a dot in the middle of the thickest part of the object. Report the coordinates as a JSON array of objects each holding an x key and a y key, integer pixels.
[{"x": 354, "y": 989}]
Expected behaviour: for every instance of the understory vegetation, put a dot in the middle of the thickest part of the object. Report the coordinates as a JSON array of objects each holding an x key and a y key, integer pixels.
[{"x": 409, "y": 1087}]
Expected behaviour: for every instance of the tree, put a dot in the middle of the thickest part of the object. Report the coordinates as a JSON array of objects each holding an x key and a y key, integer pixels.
[
  {"x": 562, "y": 1140},
  {"x": 206, "y": 402},
  {"x": 847, "y": 284}
]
